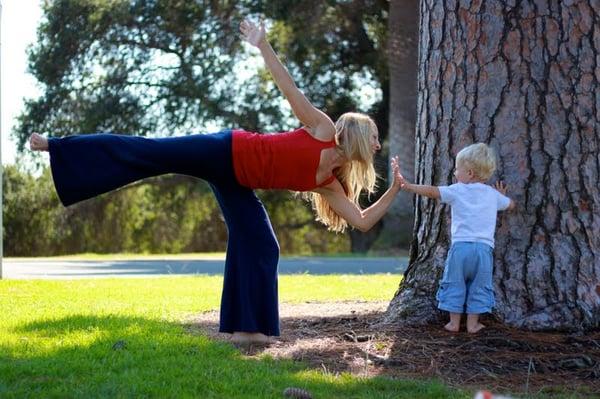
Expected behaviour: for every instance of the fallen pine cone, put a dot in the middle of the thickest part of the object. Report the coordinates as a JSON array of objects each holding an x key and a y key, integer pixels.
[{"x": 297, "y": 393}]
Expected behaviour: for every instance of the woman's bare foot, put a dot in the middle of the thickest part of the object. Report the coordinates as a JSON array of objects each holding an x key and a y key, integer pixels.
[
  {"x": 245, "y": 338},
  {"x": 38, "y": 142},
  {"x": 452, "y": 327},
  {"x": 475, "y": 328}
]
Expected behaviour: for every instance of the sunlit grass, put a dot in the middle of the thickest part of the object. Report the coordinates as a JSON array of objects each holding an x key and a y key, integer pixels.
[{"x": 126, "y": 338}]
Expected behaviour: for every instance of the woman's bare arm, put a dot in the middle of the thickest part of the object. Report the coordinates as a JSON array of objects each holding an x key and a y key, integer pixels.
[
  {"x": 307, "y": 113},
  {"x": 361, "y": 219}
]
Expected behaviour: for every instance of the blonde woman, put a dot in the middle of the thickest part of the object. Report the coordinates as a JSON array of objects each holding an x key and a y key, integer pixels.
[{"x": 331, "y": 163}]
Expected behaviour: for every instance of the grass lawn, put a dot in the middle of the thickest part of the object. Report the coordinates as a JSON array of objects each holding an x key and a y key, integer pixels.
[{"x": 124, "y": 338}]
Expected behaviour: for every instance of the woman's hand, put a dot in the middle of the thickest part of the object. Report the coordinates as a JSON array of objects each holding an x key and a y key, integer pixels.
[
  {"x": 252, "y": 33},
  {"x": 399, "y": 181}
]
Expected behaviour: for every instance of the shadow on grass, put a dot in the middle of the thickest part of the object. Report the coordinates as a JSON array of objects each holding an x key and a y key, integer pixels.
[{"x": 118, "y": 356}]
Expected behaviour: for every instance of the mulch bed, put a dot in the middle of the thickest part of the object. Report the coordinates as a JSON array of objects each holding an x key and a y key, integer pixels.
[{"x": 337, "y": 337}]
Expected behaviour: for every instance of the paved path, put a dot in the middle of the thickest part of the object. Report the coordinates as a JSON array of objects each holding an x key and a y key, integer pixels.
[{"x": 66, "y": 269}]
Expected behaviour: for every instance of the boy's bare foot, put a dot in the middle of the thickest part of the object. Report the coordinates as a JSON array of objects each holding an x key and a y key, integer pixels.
[
  {"x": 38, "y": 142},
  {"x": 475, "y": 329},
  {"x": 452, "y": 327},
  {"x": 245, "y": 338}
]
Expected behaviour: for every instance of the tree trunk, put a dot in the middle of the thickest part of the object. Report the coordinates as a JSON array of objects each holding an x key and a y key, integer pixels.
[
  {"x": 525, "y": 79},
  {"x": 403, "y": 24}
]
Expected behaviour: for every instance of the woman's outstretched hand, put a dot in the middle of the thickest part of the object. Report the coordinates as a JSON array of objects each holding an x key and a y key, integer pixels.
[
  {"x": 252, "y": 33},
  {"x": 398, "y": 180}
]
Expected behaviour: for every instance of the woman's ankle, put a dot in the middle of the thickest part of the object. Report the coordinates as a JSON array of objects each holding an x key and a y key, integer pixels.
[{"x": 250, "y": 337}]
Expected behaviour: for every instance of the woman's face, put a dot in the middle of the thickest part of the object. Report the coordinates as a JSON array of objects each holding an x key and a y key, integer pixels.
[{"x": 375, "y": 145}]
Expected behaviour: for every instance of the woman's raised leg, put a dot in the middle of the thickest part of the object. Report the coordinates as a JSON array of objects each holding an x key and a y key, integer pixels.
[{"x": 85, "y": 166}]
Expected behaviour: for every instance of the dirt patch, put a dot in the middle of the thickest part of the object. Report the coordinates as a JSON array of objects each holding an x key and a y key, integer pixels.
[{"x": 346, "y": 336}]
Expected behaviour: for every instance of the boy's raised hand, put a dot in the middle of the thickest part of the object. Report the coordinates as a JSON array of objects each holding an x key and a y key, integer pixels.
[
  {"x": 253, "y": 33},
  {"x": 501, "y": 187}
]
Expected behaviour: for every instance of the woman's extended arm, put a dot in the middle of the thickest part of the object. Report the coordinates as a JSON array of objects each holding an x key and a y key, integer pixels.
[
  {"x": 362, "y": 219},
  {"x": 302, "y": 108}
]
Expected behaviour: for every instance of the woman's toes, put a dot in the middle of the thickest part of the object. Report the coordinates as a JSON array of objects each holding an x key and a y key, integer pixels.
[{"x": 38, "y": 142}]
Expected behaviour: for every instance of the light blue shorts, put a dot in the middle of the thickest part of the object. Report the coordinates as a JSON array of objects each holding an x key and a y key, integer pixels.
[{"x": 466, "y": 286}]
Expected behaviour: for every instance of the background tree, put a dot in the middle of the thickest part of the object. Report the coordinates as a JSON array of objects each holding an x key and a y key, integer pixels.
[
  {"x": 524, "y": 77},
  {"x": 27, "y": 213},
  {"x": 402, "y": 51}
]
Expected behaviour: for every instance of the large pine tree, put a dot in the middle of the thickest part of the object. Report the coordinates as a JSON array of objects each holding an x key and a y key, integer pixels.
[{"x": 523, "y": 77}]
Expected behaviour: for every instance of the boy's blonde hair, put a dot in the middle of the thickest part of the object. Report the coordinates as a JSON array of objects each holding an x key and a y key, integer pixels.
[
  {"x": 480, "y": 158},
  {"x": 353, "y": 139}
]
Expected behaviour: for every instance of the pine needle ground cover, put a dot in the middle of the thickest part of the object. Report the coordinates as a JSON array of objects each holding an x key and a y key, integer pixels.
[{"x": 128, "y": 338}]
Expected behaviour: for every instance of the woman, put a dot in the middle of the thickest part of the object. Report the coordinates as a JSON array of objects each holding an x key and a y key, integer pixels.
[{"x": 331, "y": 164}]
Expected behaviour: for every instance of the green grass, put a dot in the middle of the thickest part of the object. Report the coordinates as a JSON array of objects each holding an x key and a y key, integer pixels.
[{"x": 57, "y": 339}]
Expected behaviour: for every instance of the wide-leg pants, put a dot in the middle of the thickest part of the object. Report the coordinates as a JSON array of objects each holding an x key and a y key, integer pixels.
[{"x": 85, "y": 166}]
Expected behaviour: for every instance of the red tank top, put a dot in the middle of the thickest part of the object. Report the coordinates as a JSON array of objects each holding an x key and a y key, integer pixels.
[{"x": 286, "y": 160}]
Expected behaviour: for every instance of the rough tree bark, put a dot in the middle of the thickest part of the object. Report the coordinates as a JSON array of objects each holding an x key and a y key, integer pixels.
[
  {"x": 403, "y": 25},
  {"x": 524, "y": 77}
]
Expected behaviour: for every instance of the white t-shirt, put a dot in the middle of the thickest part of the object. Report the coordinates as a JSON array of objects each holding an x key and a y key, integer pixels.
[{"x": 474, "y": 208}]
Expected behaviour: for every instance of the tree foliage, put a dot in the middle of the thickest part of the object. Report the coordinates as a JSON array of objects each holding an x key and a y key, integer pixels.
[{"x": 172, "y": 66}]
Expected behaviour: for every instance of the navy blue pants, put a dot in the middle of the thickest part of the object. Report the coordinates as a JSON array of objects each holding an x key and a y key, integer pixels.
[{"x": 88, "y": 165}]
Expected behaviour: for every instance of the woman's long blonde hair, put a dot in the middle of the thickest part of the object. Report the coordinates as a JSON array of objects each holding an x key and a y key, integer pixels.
[{"x": 353, "y": 133}]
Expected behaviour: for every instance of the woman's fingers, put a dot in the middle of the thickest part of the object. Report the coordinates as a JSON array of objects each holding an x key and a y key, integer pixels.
[
  {"x": 252, "y": 32},
  {"x": 247, "y": 27}
]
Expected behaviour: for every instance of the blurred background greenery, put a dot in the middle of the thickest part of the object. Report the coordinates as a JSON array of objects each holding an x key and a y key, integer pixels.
[{"x": 172, "y": 67}]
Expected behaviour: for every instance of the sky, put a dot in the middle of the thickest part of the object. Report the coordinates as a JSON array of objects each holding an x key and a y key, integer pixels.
[{"x": 20, "y": 19}]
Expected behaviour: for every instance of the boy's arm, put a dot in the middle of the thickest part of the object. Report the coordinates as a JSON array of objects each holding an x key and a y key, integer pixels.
[
  {"x": 511, "y": 205},
  {"x": 421, "y": 189}
]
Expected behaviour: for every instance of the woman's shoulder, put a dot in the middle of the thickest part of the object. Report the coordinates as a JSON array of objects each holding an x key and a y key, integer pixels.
[{"x": 323, "y": 132}]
